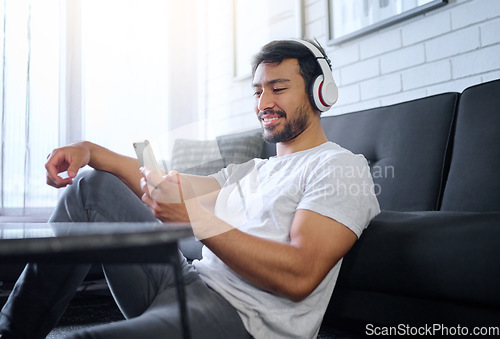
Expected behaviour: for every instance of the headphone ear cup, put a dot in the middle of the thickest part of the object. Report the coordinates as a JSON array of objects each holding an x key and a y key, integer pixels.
[
  {"x": 323, "y": 90},
  {"x": 316, "y": 94}
]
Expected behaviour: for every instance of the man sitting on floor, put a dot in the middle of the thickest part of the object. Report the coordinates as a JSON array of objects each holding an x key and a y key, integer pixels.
[{"x": 274, "y": 230}]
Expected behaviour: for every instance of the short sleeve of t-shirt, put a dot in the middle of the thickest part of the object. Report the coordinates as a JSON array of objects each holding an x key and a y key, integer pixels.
[
  {"x": 340, "y": 187},
  {"x": 223, "y": 174},
  {"x": 334, "y": 183}
]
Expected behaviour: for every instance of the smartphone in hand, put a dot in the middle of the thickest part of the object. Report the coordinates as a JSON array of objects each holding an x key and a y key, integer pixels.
[{"x": 146, "y": 157}]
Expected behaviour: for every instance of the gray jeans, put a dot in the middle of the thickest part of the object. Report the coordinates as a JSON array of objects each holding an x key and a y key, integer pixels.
[{"x": 145, "y": 294}]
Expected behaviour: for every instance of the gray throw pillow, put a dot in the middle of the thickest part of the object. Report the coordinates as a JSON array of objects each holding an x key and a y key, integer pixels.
[
  {"x": 200, "y": 157},
  {"x": 239, "y": 148},
  {"x": 204, "y": 157}
]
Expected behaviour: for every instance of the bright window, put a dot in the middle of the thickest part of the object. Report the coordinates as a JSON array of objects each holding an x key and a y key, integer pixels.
[
  {"x": 73, "y": 70},
  {"x": 29, "y": 100},
  {"x": 125, "y": 71}
]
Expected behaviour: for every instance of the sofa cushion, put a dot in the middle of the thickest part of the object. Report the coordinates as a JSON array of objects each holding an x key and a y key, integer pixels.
[
  {"x": 444, "y": 257},
  {"x": 473, "y": 183},
  {"x": 423, "y": 254},
  {"x": 405, "y": 145}
]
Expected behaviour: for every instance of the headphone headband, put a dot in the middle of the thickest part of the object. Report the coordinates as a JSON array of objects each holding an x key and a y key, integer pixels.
[{"x": 324, "y": 89}]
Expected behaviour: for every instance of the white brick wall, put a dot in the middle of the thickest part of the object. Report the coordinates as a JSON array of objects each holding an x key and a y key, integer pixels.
[
  {"x": 490, "y": 32},
  {"x": 379, "y": 44},
  {"x": 446, "y": 49},
  {"x": 473, "y": 63},
  {"x": 426, "y": 26},
  {"x": 472, "y": 12},
  {"x": 427, "y": 74},
  {"x": 402, "y": 58},
  {"x": 362, "y": 70},
  {"x": 446, "y": 46},
  {"x": 380, "y": 86}
]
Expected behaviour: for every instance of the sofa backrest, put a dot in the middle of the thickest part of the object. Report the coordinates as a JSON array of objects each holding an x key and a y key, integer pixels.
[
  {"x": 405, "y": 145},
  {"x": 473, "y": 182}
]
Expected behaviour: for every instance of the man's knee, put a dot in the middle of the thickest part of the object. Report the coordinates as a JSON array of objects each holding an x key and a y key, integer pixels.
[
  {"x": 98, "y": 184},
  {"x": 98, "y": 179},
  {"x": 94, "y": 188}
]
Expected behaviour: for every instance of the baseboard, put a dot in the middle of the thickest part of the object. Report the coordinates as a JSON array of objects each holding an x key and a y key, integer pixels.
[{"x": 25, "y": 215}]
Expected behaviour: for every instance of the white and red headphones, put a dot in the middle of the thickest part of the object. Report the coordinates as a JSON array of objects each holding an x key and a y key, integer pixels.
[{"x": 324, "y": 91}]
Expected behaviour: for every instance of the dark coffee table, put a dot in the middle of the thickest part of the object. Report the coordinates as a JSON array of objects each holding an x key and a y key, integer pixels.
[{"x": 147, "y": 242}]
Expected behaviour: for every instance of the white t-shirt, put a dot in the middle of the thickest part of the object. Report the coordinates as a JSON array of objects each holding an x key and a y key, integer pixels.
[{"x": 260, "y": 197}]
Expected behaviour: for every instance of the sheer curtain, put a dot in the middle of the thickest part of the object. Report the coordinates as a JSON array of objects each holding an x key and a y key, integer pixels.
[
  {"x": 73, "y": 70},
  {"x": 30, "y": 46}
]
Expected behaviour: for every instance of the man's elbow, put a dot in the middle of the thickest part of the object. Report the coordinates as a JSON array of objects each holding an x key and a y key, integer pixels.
[
  {"x": 298, "y": 296},
  {"x": 299, "y": 291}
]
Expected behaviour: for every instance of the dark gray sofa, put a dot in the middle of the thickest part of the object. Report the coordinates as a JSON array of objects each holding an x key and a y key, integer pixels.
[{"x": 433, "y": 255}]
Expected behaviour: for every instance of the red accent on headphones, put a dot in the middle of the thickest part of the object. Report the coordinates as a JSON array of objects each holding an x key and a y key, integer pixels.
[{"x": 320, "y": 96}]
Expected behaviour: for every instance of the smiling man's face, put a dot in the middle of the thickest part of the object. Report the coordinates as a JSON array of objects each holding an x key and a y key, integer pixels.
[{"x": 281, "y": 102}]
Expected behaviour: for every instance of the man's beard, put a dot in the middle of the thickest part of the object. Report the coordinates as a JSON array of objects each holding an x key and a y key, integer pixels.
[{"x": 292, "y": 129}]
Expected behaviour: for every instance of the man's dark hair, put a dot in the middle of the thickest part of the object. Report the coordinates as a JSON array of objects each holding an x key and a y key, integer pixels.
[{"x": 279, "y": 50}]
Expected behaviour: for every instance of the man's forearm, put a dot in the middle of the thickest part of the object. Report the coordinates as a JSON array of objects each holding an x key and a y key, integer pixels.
[
  {"x": 276, "y": 267},
  {"x": 125, "y": 168},
  {"x": 293, "y": 269}
]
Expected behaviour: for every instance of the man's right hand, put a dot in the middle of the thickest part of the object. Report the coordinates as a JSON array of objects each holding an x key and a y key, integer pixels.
[{"x": 66, "y": 159}]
